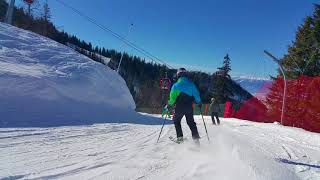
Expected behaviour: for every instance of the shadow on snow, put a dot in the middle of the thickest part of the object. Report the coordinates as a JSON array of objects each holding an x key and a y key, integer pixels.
[
  {"x": 19, "y": 112},
  {"x": 286, "y": 161}
]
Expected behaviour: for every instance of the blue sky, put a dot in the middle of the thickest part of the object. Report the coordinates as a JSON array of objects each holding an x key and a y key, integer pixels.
[{"x": 190, "y": 33}]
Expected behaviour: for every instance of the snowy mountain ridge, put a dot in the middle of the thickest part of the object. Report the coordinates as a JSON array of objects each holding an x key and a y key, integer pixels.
[
  {"x": 252, "y": 84},
  {"x": 248, "y": 77}
]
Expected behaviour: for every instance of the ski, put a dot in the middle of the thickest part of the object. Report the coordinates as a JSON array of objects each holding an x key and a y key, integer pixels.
[
  {"x": 175, "y": 140},
  {"x": 196, "y": 141}
]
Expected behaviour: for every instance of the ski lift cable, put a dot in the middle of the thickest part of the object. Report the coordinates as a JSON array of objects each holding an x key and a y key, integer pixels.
[
  {"x": 105, "y": 29},
  {"x": 116, "y": 35}
]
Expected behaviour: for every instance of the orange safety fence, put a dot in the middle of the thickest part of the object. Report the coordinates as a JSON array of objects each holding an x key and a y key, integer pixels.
[{"x": 302, "y": 104}]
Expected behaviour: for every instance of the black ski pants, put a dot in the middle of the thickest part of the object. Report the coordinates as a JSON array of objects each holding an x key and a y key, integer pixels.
[
  {"x": 215, "y": 115},
  {"x": 190, "y": 121}
]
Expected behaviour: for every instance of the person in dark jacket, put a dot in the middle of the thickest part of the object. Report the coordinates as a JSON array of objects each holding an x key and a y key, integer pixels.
[
  {"x": 182, "y": 95},
  {"x": 215, "y": 110}
]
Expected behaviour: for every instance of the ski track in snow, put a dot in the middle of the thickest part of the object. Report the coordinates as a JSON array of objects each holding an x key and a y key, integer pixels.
[{"x": 238, "y": 150}]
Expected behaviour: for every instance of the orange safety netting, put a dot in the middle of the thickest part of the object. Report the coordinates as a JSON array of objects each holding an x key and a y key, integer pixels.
[{"x": 302, "y": 104}]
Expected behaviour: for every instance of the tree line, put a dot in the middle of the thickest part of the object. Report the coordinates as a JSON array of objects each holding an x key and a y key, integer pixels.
[
  {"x": 142, "y": 76},
  {"x": 303, "y": 56}
]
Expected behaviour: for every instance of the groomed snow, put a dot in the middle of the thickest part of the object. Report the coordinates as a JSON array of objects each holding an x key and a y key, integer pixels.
[
  {"x": 239, "y": 150},
  {"x": 44, "y": 83}
]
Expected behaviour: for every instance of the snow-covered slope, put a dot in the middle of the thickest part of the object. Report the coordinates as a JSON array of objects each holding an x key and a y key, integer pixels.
[
  {"x": 44, "y": 83},
  {"x": 238, "y": 150}
]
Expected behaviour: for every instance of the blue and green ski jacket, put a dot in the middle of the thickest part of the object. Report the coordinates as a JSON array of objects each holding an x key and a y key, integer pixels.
[{"x": 183, "y": 93}]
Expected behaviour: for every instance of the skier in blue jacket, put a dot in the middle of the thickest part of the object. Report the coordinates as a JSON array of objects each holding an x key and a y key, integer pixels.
[{"x": 182, "y": 95}]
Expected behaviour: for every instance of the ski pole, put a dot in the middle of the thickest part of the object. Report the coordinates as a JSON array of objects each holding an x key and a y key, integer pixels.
[
  {"x": 204, "y": 125},
  {"x": 164, "y": 121}
]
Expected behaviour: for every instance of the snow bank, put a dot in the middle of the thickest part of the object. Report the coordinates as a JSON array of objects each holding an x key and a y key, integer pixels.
[{"x": 44, "y": 83}]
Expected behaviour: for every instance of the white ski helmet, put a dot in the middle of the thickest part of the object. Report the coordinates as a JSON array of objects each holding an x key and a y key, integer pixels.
[{"x": 182, "y": 72}]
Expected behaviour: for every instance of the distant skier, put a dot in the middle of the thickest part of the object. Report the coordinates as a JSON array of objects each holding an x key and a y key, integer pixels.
[
  {"x": 215, "y": 110},
  {"x": 183, "y": 93}
]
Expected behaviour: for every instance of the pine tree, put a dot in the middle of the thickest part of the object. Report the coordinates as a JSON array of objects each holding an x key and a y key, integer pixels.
[
  {"x": 226, "y": 68},
  {"x": 46, "y": 18},
  {"x": 303, "y": 57},
  {"x": 46, "y": 11},
  {"x": 220, "y": 79},
  {"x": 3, "y": 9}
]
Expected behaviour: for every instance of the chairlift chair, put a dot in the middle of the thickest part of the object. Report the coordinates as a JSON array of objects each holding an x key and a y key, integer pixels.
[
  {"x": 165, "y": 83},
  {"x": 28, "y": 1}
]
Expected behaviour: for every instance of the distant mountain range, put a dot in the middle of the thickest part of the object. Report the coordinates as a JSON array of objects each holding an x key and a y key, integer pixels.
[{"x": 258, "y": 87}]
